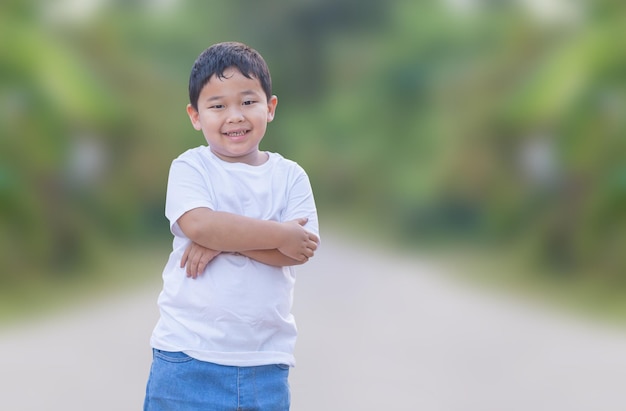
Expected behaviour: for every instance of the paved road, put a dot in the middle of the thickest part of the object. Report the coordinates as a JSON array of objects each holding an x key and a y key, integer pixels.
[{"x": 377, "y": 332}]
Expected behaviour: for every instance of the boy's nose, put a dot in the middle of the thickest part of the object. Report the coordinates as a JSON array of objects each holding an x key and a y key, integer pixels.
[{"x": 235, "y": 115}]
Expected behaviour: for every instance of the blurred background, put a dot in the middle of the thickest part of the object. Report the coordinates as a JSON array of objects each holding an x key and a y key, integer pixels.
[{"x": 491, "y": 131}]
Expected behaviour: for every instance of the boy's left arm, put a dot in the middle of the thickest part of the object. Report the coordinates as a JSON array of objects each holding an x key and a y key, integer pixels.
[{"x": 299, "y": 204}]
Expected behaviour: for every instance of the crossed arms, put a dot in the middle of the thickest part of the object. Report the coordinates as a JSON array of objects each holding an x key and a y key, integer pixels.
[{"x": 269, "y": 242}]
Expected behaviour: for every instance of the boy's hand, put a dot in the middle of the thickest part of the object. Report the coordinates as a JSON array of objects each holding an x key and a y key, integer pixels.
[
  {"x": 197, "y": 258},
  {"x": 299, "y": 243}
]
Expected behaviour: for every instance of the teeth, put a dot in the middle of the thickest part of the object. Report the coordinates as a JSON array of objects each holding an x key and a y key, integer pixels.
[{"x": 236, "y": 134}]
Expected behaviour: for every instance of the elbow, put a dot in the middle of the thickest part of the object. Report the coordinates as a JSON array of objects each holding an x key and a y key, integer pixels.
[
  {"x": 191, "y": 227},
  {"x": 192, "y": 233}
]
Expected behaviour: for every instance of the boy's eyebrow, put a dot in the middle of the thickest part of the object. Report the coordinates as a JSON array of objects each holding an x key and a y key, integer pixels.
[{"x": 243, "y": 93}]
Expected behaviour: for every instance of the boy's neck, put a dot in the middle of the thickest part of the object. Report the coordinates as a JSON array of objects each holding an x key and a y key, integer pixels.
[{"x": 252, "y": 159}]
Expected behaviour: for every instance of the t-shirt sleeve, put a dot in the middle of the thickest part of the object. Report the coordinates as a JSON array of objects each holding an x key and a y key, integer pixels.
[
  {"x": 301, "y": 202},
  {"x": 187, "y": 188}
]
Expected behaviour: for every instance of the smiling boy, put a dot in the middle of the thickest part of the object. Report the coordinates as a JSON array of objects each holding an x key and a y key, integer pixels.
[{"x": 241, "y": 219}]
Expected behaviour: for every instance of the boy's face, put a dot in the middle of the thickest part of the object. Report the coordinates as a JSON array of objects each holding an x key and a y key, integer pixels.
[{"x": 233, "y": 113}]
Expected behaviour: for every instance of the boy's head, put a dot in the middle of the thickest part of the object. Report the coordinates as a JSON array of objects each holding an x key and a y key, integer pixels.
[{"x": 217, "y": 58}]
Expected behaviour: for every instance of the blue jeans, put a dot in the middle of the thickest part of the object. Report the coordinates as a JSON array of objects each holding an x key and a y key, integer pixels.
[{"x": 178, "y": 382}]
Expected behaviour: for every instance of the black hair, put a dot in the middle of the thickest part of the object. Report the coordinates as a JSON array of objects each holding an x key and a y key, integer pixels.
[{"x": 219, "y": 57}]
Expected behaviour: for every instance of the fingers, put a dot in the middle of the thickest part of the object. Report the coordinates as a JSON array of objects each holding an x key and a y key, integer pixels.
[
  {"x": 309, "y": 251},
  {"x": 302, "y": 220},
  {"x": 194, "y": 262},
  {"x": 191, "y": 266},
  {"x": 183, "y": 260},
  {"x": 313, "y": 237},
  {"x": 188, "y": 260},
  {"x": 310, "y": 246},
  {"x": 202, "y": 263},
  {"x": 196, "y": 265},
  {"x": 196, "y": 259}
]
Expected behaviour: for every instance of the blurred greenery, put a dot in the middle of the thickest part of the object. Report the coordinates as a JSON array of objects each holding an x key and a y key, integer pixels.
[{"x": 437, "y": 122}]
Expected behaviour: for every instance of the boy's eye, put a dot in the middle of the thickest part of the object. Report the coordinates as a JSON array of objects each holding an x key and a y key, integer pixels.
[
  {"x": 217, "y": 106},
  {"x": 248, "y": 102}
]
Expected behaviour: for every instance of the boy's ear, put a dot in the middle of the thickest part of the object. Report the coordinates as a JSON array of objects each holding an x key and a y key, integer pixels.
[
  {"x": 271, "y": 108},
  {"x": 194, "y": 117}
]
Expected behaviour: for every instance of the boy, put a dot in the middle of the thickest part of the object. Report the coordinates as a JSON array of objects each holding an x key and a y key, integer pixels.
[{"x": 241, "y": 218}]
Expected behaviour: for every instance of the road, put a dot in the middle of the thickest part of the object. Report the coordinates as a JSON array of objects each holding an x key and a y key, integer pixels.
[{"x": 377, "y": 332}]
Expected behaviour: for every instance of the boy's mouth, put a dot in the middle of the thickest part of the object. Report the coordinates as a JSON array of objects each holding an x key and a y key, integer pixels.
[{"x": 237, "y": 133}]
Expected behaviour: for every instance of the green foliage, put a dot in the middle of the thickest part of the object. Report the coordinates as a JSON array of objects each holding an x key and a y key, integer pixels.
[{"x": 487, "y": 123}]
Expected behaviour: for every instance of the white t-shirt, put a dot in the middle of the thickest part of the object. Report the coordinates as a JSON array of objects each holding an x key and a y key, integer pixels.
[{"x": 238, "y": 312}]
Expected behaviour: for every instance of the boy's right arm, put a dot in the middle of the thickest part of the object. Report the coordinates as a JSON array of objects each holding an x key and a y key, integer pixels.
[{"x": 231, "y": 232}]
